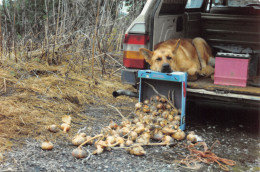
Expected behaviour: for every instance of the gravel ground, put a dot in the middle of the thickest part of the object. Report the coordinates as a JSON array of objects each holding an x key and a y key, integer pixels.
[{"x": 237, "y": 131}]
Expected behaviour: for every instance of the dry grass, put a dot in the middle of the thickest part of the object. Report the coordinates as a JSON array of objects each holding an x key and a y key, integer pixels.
[{"x": 33, "y": 95}]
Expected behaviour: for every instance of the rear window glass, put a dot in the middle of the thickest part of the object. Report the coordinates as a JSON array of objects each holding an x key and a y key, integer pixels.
[
  {"x": 172, "y": 7},
  {"x": 194, "y": 4}
]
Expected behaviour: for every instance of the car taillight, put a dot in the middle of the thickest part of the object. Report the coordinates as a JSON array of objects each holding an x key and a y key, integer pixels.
[{"x": 132, "y": 57}]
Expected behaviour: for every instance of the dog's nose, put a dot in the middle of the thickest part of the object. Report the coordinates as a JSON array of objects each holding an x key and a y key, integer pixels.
[{"x": 166, "y": 68}]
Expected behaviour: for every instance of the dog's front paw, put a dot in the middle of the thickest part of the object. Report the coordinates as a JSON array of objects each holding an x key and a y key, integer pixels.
[{"x": 192, "y": 77}]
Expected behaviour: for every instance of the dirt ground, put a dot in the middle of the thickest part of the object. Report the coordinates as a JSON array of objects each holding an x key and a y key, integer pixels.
[{"x": 236, "y": 129}]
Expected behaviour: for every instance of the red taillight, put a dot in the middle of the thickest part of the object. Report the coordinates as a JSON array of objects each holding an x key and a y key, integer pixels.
[
  {"x": 132, "y": 57},
  {"x": 136, "y": 39}
]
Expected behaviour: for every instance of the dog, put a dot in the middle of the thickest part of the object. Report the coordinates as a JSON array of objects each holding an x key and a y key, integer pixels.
[{"x": 193, "y": 56}]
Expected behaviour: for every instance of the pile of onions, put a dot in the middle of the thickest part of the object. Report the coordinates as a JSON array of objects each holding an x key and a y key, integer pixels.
[{"x": 156, "y": 122}]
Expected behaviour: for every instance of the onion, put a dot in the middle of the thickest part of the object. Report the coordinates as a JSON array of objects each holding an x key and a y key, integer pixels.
[
  {"x": 165, "y": 114},
  {"x": 139, "y": 130},
  {"x": 99, "y": 150},
  {"x": 162, "y": 99},
  {"x": 101, "y": 144},
  {"x": 177, "y": 118},
  {"x": 167, "y": 140},
  {"x": 167, "y": 130},
  {"x": 129, "y": 142},
  {"x": 53, "y": 128},
  {"x": 65, "y": 127},
  {"x": 47, "y": 145},
  {"x": 146, "y": 102},
  {"x": 146, "y": 109},
  {"x": 191, "y": 137},
  {"x": 168, "y": 106},
  {"x": 174, "y": 112},
  {"x": 179, "y": 135},
  {"x": 125, "y": 123},
  {"x": 136, "y": 150},
  {"x": 66, "y": 119},
  {"x": 155, "y": 98},
  {"x": 144, "y": 138},
  {"x": 78, "y": 140},
  {"x": 170, "y": 118},
  {"x": 123, "y": 131},
  {"x": 159, "y": 106},
  {"x": 110, "y": 140},
  {"x": 133, "y": 135},
  {"x": 120, "y": 141},
  {"x": 163, "y": 123},
  {"x": 158, "y": 135},
  {"x": 138, "y": 105},
  {"x": 79, "y": 153},
  {"x": 113, "y": 125}
]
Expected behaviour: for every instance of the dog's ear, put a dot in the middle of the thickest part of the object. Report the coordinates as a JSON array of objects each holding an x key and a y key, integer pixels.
[
  {"x": 177, "y": 46},
  {"x": 147, "y": 54}
]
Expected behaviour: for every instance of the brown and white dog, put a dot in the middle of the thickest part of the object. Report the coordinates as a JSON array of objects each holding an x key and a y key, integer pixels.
[{"x": 186, "y": 55}]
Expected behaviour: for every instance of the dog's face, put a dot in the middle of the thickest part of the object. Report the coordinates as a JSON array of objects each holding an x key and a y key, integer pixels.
[{"x": 163, "y": 59}]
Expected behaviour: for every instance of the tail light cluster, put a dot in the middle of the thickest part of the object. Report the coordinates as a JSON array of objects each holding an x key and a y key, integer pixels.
[{"x": 132, "y": 57}]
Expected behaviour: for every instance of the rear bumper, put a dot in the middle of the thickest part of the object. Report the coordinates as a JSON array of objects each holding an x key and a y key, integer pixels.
[
  {"x": 129, "y": 76},
  {"x": 229, "y": 99}
]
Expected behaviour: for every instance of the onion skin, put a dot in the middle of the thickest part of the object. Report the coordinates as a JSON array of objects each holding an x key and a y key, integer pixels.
[
  {"x": 46, "y": 145},
  {"x": 65, "y": 127},
  {"x": 78, "y": 140},
  {"x": 53, "y": 128},
  {"x": 113, "y": 125},
  {"x": 158, "y": 135},
  {"x": 167, "y": 140},
  {"x": 137, "y": 150},
  {"x": 79, "y": 153},
  {"x": 129, "y": 142},
  {"x": 159, "y": 106},
  {"x": 179, "y": 135},
  {"x": 133, "y": 135},
  {"x": 177, "y": 118},
  {"x": 99, "y": 150},
  {"x": 138, "y": 105},
  {"x": 191, "y": 137},
  {"x": 146, "y": 102}
]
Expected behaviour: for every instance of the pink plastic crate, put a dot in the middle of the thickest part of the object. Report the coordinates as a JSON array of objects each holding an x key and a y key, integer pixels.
[{"x": 231, "y": 70}]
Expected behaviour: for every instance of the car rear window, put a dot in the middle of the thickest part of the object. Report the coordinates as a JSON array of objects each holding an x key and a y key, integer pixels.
[{"x": 170, "y": 7}]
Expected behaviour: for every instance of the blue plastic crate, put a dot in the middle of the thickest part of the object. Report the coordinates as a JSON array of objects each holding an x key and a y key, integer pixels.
[{"x": 165, "y": 83}]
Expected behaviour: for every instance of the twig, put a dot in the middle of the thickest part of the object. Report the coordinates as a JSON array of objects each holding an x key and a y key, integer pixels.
[
  {"x": 160, "y": 94},
  {"x": 117, "y": 111},
  {"x": 115, "y": 60},
  {"x": 116, "y": 71},
  {"x": 4, "y": 85},
  {"x": 97, "y": 136}
]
